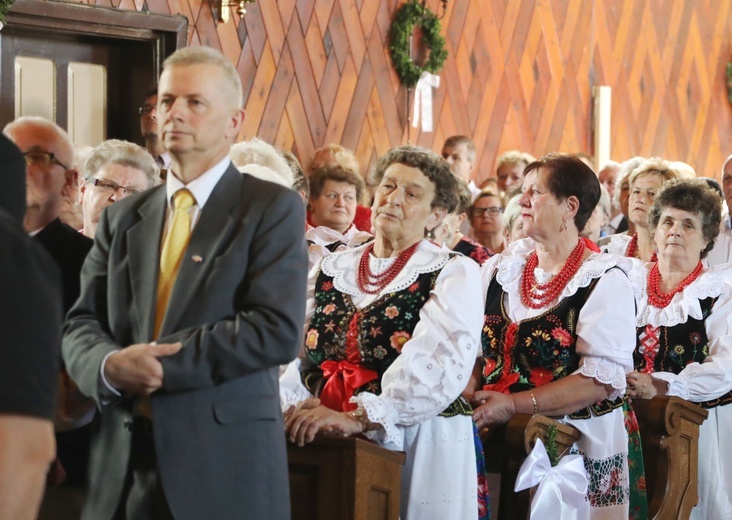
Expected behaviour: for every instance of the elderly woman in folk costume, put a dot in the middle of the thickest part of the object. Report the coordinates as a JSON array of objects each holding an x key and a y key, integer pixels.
[
  {"x": 683, "y": 328},
  {"x": 551, "y": 343},
  {"x": 391, "y": 339}
]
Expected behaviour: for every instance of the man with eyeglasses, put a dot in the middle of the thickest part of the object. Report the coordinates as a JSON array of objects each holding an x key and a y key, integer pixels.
[
  {"x": 149, "y": 130},
  {"x": 48, "y": 154}
]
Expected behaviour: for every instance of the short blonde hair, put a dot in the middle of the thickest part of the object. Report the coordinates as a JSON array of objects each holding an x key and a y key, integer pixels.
[
  {"x": 626, "y": 168},
  {"x": 654, "y": 166},
  {"x": 209, "y": 56},
  {"x": 511, "y": 212},
  {"x": 514, "y": 157}
]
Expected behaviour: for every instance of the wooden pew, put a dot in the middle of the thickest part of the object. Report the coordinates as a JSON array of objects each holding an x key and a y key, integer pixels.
[
  {"x": 669, "y": 429},
  {"x": 506, "y": 448},
  {"x": 336, "y": 478}
]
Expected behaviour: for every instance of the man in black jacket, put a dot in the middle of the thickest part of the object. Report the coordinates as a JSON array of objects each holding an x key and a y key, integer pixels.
[{"x": 49, "y": 177}]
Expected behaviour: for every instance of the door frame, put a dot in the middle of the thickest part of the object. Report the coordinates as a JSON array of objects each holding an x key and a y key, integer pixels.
[
  {"x": 165, "y": 33},
  {"x": 168, "y": 32}
]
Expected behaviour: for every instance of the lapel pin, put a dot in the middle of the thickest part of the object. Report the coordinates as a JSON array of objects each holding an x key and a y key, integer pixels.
[{"x": 197, "y": 258}]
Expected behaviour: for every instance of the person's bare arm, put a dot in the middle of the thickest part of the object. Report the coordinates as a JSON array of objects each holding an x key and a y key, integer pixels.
[
  {"x": 27, "y": 448},
  {"x": 560, "y": 397}
]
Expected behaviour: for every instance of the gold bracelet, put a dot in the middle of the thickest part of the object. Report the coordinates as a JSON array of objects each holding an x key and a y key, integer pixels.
[{"x": 533, "y": 400}]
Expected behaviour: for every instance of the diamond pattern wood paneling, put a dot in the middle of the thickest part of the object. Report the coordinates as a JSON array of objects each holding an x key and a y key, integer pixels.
[{"x": 519, "y": 74}]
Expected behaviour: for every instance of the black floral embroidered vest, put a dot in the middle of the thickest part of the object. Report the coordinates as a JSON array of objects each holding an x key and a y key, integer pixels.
[
  {"x": 379, "y": 331},
  {"x": 535, "y": 351},
  {"x": 678, "y": 346}
]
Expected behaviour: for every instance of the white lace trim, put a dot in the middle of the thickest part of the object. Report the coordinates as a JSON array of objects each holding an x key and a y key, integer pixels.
[
  {"x": 343, "y": 267},
  {"x": 618, "y": 244},
  {"x": 379, "y": 411},
  {"x": 711, "y": 283},
  {"x": 510, "y": 268},
  {"x": 292, "y": 391},
  {"x": 323, "y": 235},
  {"x": 419, "y": 387},
  {"x": 606, "y": 372},
  {"x": 677, "y": 385}
]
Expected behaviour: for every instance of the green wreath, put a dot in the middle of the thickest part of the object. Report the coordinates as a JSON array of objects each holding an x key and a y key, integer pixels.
[
  {"x": 407, "y": 17},
  {"x": 4, "y": 6}
]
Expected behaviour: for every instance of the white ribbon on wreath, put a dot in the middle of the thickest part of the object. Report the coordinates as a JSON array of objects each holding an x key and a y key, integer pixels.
[{"x": 423, "y": 101}]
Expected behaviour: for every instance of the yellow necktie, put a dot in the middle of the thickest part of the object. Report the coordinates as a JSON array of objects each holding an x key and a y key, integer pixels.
[{"x": 176, "y": 242}]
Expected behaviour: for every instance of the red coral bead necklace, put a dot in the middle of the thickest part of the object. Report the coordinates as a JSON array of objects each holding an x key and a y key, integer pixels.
[
  {"x": 371, "y": 283},
  {"x": 537, "y": 295},
  {"x": 632, "y": 249},
  {"x": 661, "y": 300}
]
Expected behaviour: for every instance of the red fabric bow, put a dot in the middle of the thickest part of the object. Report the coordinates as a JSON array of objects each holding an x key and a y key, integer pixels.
[{"x": 341, "y": 379}]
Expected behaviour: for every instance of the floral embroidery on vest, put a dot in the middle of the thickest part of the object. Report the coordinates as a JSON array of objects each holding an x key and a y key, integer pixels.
[
  {"x": 535, "y": 351},
  {"x": 670, "y": 349},
  {"x": 363, "y": 343}
]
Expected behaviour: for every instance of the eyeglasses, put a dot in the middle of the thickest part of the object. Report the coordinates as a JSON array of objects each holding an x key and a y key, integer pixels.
[
  {"x": 146, "y": 109},
  {"x": 493, "y": 210},
  {"x": 111, "y": 186},
  {"x": 42, "y": 159}
]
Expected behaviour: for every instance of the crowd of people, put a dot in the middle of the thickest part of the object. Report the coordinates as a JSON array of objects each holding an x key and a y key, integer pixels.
[{"x": 220, "y": 299}]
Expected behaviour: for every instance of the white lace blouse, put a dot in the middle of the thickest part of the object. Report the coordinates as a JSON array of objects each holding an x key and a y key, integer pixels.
[
  {"x": 323, "y": 236},
  {"x": 713, "y": 377},
  {"x": 606, "y": 323},
  {"x": 618, "y": 244},
  {"x": 435, "y": 364}
]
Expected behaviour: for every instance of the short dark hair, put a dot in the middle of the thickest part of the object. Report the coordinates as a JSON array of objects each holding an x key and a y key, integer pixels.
[
  {"x": 434, "y": 167},
  {"x": 337, "y": 173},
  {"x": 569, "y": 176},
  {"x": 694, "y": 196}
]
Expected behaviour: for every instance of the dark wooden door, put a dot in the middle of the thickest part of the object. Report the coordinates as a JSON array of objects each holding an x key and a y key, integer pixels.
[
  {"x": 131, "y": 46},
  {"x": 129, "y": 66}
]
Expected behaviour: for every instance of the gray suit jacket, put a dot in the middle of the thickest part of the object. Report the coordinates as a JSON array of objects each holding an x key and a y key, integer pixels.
[{"x": 238, "y": 307}]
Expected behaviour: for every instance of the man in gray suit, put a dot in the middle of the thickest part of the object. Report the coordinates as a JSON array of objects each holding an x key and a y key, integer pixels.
[{"x": 208, "y": 359}]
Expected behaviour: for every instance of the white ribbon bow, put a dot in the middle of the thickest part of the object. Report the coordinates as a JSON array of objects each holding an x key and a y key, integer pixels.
[
  {"x": 562, "y": 489},
  {"x": 423, "y": 100}
]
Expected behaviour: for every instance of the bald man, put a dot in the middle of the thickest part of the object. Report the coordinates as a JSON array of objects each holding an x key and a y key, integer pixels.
[{"x": 49, "y": 156}]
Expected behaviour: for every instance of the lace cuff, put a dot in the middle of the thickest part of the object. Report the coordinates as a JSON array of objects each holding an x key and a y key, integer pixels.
[
  {"x": 292, "y": 390},
  {"x": 677, "y": 385},
  {"x": 378, "y": 411},
  {"x": 606, "y": 372}
]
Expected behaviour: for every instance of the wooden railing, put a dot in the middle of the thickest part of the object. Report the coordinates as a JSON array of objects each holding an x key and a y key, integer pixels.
[
  {"x": 506, "y": 448},
  {"x": 670, "y": 437},
  {"x": 351, "y": 478},
  {"x": 669, "y": 429}
]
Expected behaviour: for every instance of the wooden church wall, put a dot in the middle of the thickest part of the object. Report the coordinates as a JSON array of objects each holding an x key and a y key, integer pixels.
[{"x": 519, "y": 74}]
